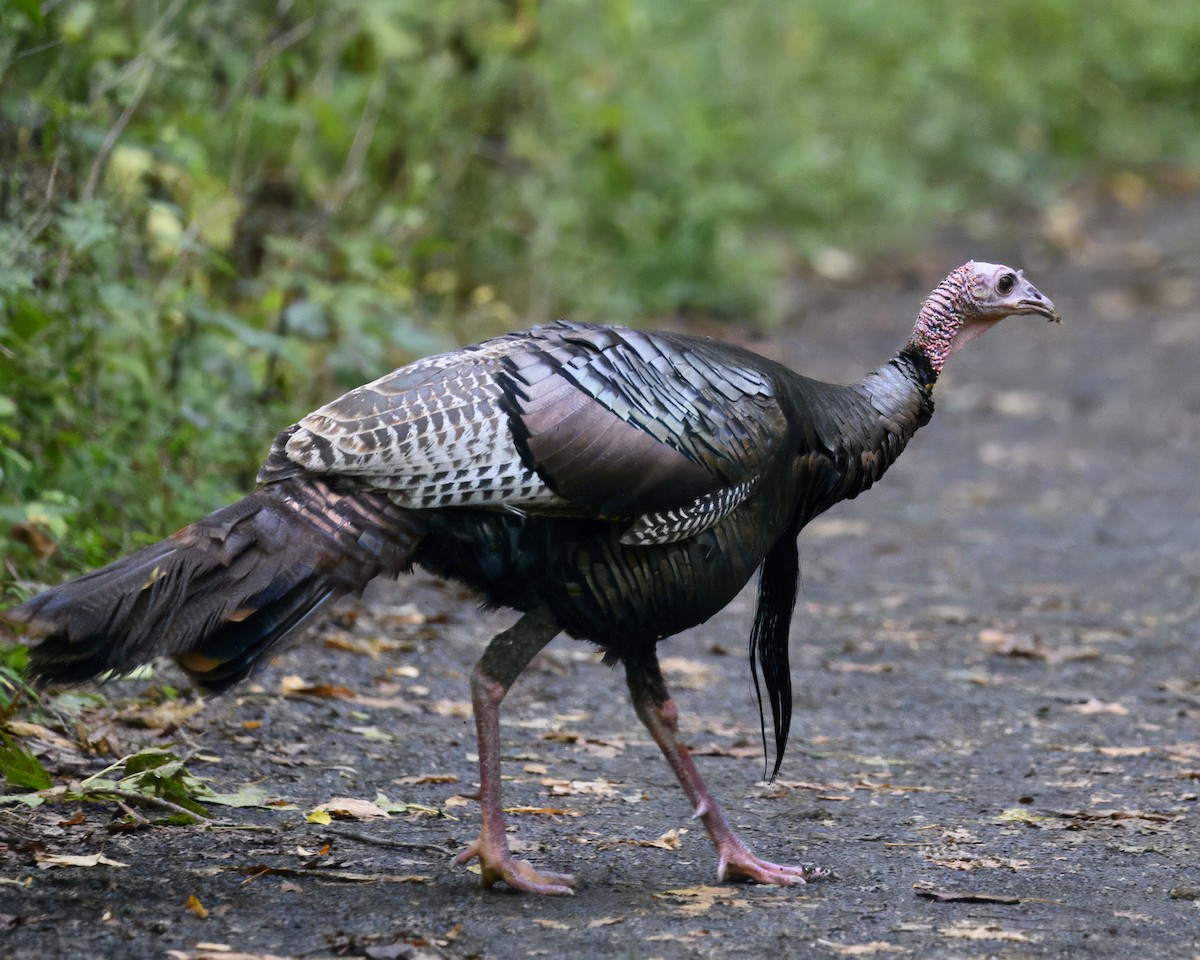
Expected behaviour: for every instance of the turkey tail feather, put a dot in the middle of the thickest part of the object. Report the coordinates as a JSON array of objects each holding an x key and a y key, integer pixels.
[
  {"x": 777, "y": 587},
  {"x": 221, "y": 592}
]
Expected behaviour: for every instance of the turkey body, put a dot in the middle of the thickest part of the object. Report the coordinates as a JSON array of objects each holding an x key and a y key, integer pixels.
[
  {"x": 679, "y": 463},
  {"x": 615, "y": 484}
]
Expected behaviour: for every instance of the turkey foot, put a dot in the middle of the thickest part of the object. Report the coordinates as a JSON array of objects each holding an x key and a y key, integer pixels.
[
  {"x": 660, "y": 716},
  {"x": 505, "y": 657},
  {"x": 736, "y": 863},
  {"x": 497, "y": 863}
]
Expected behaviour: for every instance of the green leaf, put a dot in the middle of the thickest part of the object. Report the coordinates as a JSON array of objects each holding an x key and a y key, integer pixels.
[
  {"x": 31, "y": 8},
  {"x": 250, "y": 795},
  {"x": 21, "y": 768},
  {"x": 31, "y": 800}
]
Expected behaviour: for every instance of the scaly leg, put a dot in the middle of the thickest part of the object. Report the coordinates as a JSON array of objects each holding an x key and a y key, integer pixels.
[
  {"x": 658, "y": 712},
  {"x": 502, "y": 662}
]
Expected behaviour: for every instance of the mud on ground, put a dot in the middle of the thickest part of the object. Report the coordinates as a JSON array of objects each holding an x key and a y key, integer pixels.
[{"x": 995, "y": 744}]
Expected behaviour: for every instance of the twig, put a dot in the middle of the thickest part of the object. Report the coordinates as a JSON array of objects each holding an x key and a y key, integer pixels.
[
  {"x": 386, "y": 842},
  {"x": 130, "y": 812},
  {"x": 152, "y": 801}
]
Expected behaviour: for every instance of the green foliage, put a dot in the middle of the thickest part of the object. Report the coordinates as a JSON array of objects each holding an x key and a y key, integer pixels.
[
  {"x": 20, "y": 768},
  {"x": 215, "y": 215},
  {"x": 14, "y": 662}
]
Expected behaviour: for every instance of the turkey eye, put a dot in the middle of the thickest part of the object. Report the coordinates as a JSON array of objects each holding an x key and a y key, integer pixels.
[{"x": 1004, "y": 286}]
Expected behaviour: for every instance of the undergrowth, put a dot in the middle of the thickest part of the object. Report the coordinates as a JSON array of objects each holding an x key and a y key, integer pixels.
[{"x": 214, "y": 215}]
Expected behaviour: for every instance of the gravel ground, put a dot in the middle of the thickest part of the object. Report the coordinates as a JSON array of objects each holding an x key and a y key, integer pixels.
[{"x": 995, "y": 745}]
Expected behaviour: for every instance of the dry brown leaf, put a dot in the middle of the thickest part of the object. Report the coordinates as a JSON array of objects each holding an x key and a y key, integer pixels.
[
  {"x": 350, "y": 808},
  {"x": 697, "y": 900},
  {"x": 47, "y": 860},
  {"x": 26, "y": 730},
  {"x": 739, "y": 750},
  {"x": 1124, "y": 751},
  {"x": 162, "y": 716},
  {"x": 605, "y": 922},
  {"x": 551, "y": 924},
  {"x": 370, "y": 646},
  {"x": 973, "y": 863},
  {"x": 293, "y": 686},
  {"x": 571, "y": 788},
  {"x": 668, "y": 841},
  {"x": 545, "y": 811},
  {"x": 604, "y": 747},
  {"x": 930, "y": 892},
  {"x": 426, "y": 778},
  {"x": 966, "y": 930}
]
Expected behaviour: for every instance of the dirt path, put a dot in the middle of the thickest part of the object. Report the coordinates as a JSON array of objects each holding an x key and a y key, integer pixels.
[{"x": 997, "y": 699}]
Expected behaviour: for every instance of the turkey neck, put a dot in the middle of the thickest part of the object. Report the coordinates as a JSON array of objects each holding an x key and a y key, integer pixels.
[{"x": 899, "y": 398}]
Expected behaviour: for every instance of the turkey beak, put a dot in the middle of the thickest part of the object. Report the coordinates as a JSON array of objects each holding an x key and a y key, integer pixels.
[{"x": 1034, "y": 301}]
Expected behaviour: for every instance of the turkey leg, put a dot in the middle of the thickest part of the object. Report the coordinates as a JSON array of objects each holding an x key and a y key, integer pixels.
[
  {"x": 658, "y": 712},
  {"x": 502, "y": 662}
]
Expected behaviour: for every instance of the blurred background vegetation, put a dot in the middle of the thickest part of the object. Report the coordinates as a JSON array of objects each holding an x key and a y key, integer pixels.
[{"x": 215, "y": 214}]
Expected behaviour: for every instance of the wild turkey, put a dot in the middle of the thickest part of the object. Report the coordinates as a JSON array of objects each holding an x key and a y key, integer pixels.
[{"x": 617, "y": 485}]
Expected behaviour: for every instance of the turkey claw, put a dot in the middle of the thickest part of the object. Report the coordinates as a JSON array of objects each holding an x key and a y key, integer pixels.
[
  {"x": 518, "y": 874},
  {"x": 743, "y": 866}
]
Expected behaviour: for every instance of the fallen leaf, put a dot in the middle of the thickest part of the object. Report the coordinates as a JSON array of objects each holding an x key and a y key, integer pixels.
[
  {"x": 249, "y": 795},
  {"x": 26, "y": 731},
  {"x": 701, "y": 899},
  {"x": 941, "y": 895},
  {"x": 738, "y": 751},
  {"x": 571, "y": 788},
  {"x": 350, "y": 808},
  {"x": 973, "y": 863},
  {"x": 966, "y": 930},
  {"x": 668, "y": 841},
  {"x": 606, "y": 921},
  {"x": 426, "y": 778},
  {"x": 1125, "y": 751},
  {"x": 47, "y": 860},
  {"x": 293, "y": 686},
  {"x": 320, "y": 817},
  {"x": 194, "y": 904},
  {"x": 545, "y": 811},
  {"x": 868, "y": 949},
  {"x": 160, "y": 716},
  {"x": 551, "y": 924}
]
